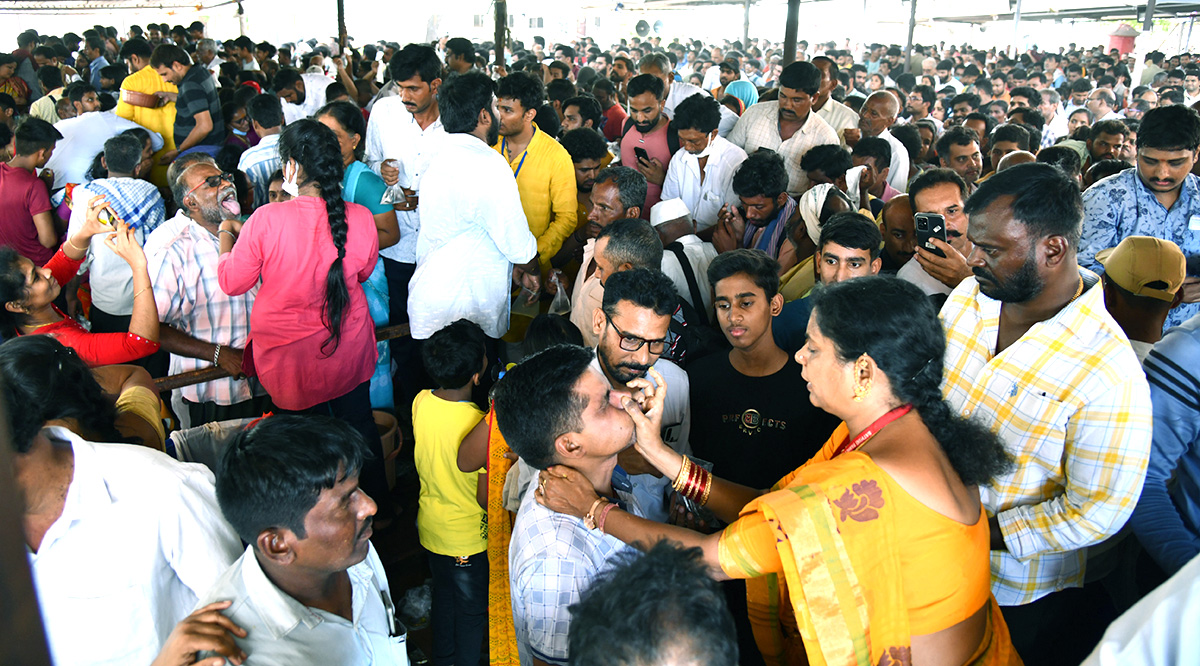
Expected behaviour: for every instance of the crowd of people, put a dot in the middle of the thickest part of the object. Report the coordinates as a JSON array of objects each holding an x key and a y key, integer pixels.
[{"x": 879, "y": 361}]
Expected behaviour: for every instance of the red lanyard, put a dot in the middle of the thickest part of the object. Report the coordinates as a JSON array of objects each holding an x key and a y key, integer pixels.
[{"x": 870, "y": 431}]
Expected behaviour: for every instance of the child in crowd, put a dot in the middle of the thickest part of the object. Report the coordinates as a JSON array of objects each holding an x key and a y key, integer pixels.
[{"x": 451, "y": 523}]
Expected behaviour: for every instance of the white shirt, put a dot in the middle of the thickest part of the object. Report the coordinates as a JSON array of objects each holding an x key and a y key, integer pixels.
[
  {"x": 139, "y": 540},
  {"x": 314, "y": 97},
  {"x": 160, "y": 238},
  {"x": 1160, "y": 629},
  {"x": 699, "y": 255},
  {"x": 913, "y": 272},
  {"x": 473, "y": 230},
  {"x": 281, "y": 630},
  {"x": 586, "y": 295},
  {"x": 681, "y": 90},
  {"x": 215, "y": 67},
  {"x": 759, "y": 128},
  {"x": 704, "y": 200},
  {"x": 898, "y": 176},
  {"x": 83, "y": 139},
  {"x": 839, "y": 116},
  {"x": 110, "y": 276},
  {"x": 393, "y": 134}
]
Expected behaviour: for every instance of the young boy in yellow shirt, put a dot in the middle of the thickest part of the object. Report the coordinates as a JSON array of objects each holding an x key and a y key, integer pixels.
[{"x": 451, "y": 524}]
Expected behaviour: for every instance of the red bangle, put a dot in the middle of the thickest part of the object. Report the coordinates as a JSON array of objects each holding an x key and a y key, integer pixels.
[{"x": 604, "y": 514}]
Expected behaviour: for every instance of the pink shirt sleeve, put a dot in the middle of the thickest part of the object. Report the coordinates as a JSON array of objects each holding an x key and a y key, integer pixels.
[{"x": 239, "y": 269}]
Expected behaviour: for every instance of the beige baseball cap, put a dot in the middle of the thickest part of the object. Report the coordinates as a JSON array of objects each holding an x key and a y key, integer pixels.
[{"x": 1145, "y": 266}]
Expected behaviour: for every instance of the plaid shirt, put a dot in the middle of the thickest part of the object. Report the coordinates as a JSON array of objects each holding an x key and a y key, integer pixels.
[
  {"x": 552, "y": 558},
  {"x": 1071, "y": 404},
  {"x": 184, "y": 275}
]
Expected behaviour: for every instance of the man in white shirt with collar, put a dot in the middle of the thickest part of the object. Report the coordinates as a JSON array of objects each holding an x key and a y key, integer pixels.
[
  {"x": 84, "y": 136},
  {"x": 301, "y": 94},
  {"x": 839, "y": 116},
  {"x": 206, "y": 54},
  {"x": 403, "y": 135},
  {"x": 657, "y": 64},
  {"x": 471, "y": 216},
  {"x": 556, "y": 408},
  {"x": 788, "y": 126},
  {"x": 122, "y": 540},
  {"x": 702, "y": 173},
  {"x": 1101, "y": 102},
  {"x": 309, "y": 588},
  {"x": 878, "y": 114}
]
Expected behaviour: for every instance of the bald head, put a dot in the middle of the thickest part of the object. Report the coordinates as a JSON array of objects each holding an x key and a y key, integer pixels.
[
  {"x": 1014, "y": 158},
  {"x": 878, "y": 113},
  {"x": 899, "y": 232}
]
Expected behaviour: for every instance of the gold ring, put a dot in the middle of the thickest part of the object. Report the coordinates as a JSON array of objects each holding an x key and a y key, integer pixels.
[{"x": 542, "y": 484}]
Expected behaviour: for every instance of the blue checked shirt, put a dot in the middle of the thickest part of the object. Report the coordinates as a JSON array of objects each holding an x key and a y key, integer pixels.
[
  {"x": 551, "y": 560},
  {"x": 258, "y": 162},
  {"x": 139, "y": 204},
  {"x": 184, "y": 275},
  {"x": 1071, "y": 404},
  {"x": 1121, "y": 206}
]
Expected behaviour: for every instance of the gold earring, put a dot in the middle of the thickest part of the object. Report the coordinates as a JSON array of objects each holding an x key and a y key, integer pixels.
[{"x": 861, "y": 390}]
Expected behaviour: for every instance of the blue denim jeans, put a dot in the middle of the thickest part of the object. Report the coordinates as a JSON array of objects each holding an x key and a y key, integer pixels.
[{"x": 459, "y": 615}]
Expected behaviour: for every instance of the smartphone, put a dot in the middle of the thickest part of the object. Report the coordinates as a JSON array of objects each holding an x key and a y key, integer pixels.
[
  {"x": 641, "y": 153},
  {"x": 1193, "y": 265},
  {"x": 930, "y": 225}
]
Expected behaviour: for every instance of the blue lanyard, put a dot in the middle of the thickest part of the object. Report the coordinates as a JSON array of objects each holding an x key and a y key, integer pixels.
[{"x": 504, "y": 149}]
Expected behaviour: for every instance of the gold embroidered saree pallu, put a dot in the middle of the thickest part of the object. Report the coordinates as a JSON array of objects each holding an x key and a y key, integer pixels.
[
  {"x": 833, "y": 528},
  {"x": 502, "y": 637}
]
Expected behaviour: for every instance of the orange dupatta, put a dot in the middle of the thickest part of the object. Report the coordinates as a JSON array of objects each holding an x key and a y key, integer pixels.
[
  {"x": 502, "y": 637},
  {"x": 835, "y": 534}
]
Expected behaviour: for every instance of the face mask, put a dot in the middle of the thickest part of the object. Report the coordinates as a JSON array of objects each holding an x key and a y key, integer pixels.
[
  {"x": 289, "y": 180},
  {"x": 707, "y": 149},
  {"x": 238, "y": 132}
]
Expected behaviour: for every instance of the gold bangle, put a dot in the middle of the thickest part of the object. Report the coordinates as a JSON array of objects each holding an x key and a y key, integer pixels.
[
  {"x": 708, "y": 481},
  {"x": 682, "y": 477},
  {"x": 76, "y": 247},
  {"x": 140, "y": 293}
]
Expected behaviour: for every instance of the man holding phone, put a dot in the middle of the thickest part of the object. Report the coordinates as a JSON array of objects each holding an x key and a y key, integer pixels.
[
  {"x": 648, "y": 140},
  {"x": 942, "y": 246}
]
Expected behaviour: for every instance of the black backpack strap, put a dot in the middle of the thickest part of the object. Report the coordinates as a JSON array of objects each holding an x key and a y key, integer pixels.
[
  {"x": 672, "y": 139},
  {"x": 625, "y": 130},
  {"x": 690, "y": 276}
]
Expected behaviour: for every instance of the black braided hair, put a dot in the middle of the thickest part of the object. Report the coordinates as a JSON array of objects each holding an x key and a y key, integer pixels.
[
  {"x": 315, "y": 149},
  {"x": 895, "y": 324}
]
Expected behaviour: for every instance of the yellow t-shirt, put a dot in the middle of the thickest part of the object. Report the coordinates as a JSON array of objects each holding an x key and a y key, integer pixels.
[
  {"x": 161, "y": 119},
  {"x": 449, "y": 519}
]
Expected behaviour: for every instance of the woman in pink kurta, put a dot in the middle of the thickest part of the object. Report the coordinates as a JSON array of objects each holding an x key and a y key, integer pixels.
[{"x": 312, "y": 340}]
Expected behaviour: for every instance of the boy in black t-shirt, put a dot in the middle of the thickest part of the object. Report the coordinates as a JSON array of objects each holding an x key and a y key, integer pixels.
[{"x": 751, "y": 416}]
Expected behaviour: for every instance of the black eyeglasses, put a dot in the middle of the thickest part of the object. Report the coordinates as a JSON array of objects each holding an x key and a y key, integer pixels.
[
  {"x": 212, "y": 181},
  {"x": 632, "y": 343}
]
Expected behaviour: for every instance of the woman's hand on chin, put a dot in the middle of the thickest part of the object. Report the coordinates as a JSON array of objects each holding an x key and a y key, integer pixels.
[{"x": 564, "y": 490}]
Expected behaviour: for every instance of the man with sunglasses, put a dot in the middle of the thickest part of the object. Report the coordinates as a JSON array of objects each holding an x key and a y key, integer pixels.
[
  {"x": 632, "y": 326},
  {"x": 201, "y": 325}
]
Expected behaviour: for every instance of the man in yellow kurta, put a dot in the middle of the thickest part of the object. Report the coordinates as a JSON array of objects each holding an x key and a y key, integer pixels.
[
  {"x": 543, "y": 168},
  {"x": 135, "y": 106}
]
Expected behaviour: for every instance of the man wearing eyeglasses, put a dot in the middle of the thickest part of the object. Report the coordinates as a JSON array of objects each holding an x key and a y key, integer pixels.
[
  {"x": 201, "y": 325},
  {"x": 631, "y": 327}
]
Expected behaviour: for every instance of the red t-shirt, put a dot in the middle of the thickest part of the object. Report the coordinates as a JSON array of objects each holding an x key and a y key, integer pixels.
[
  {"x": 614, "y": 120},
  {"x": 94, "y": 348},
  {"x": 23, "y": 195}
]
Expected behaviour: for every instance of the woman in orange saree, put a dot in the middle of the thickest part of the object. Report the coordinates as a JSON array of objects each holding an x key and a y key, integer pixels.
[{"x": 875, "y": 552}]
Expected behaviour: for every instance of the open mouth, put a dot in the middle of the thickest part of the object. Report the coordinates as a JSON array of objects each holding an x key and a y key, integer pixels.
[{"x": 229, "y": 203}]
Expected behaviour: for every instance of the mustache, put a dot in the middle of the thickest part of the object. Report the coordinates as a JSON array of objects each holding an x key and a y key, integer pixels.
[
  {"x": 639, "y": 368},
  {"x": 366, "y": 526}
]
